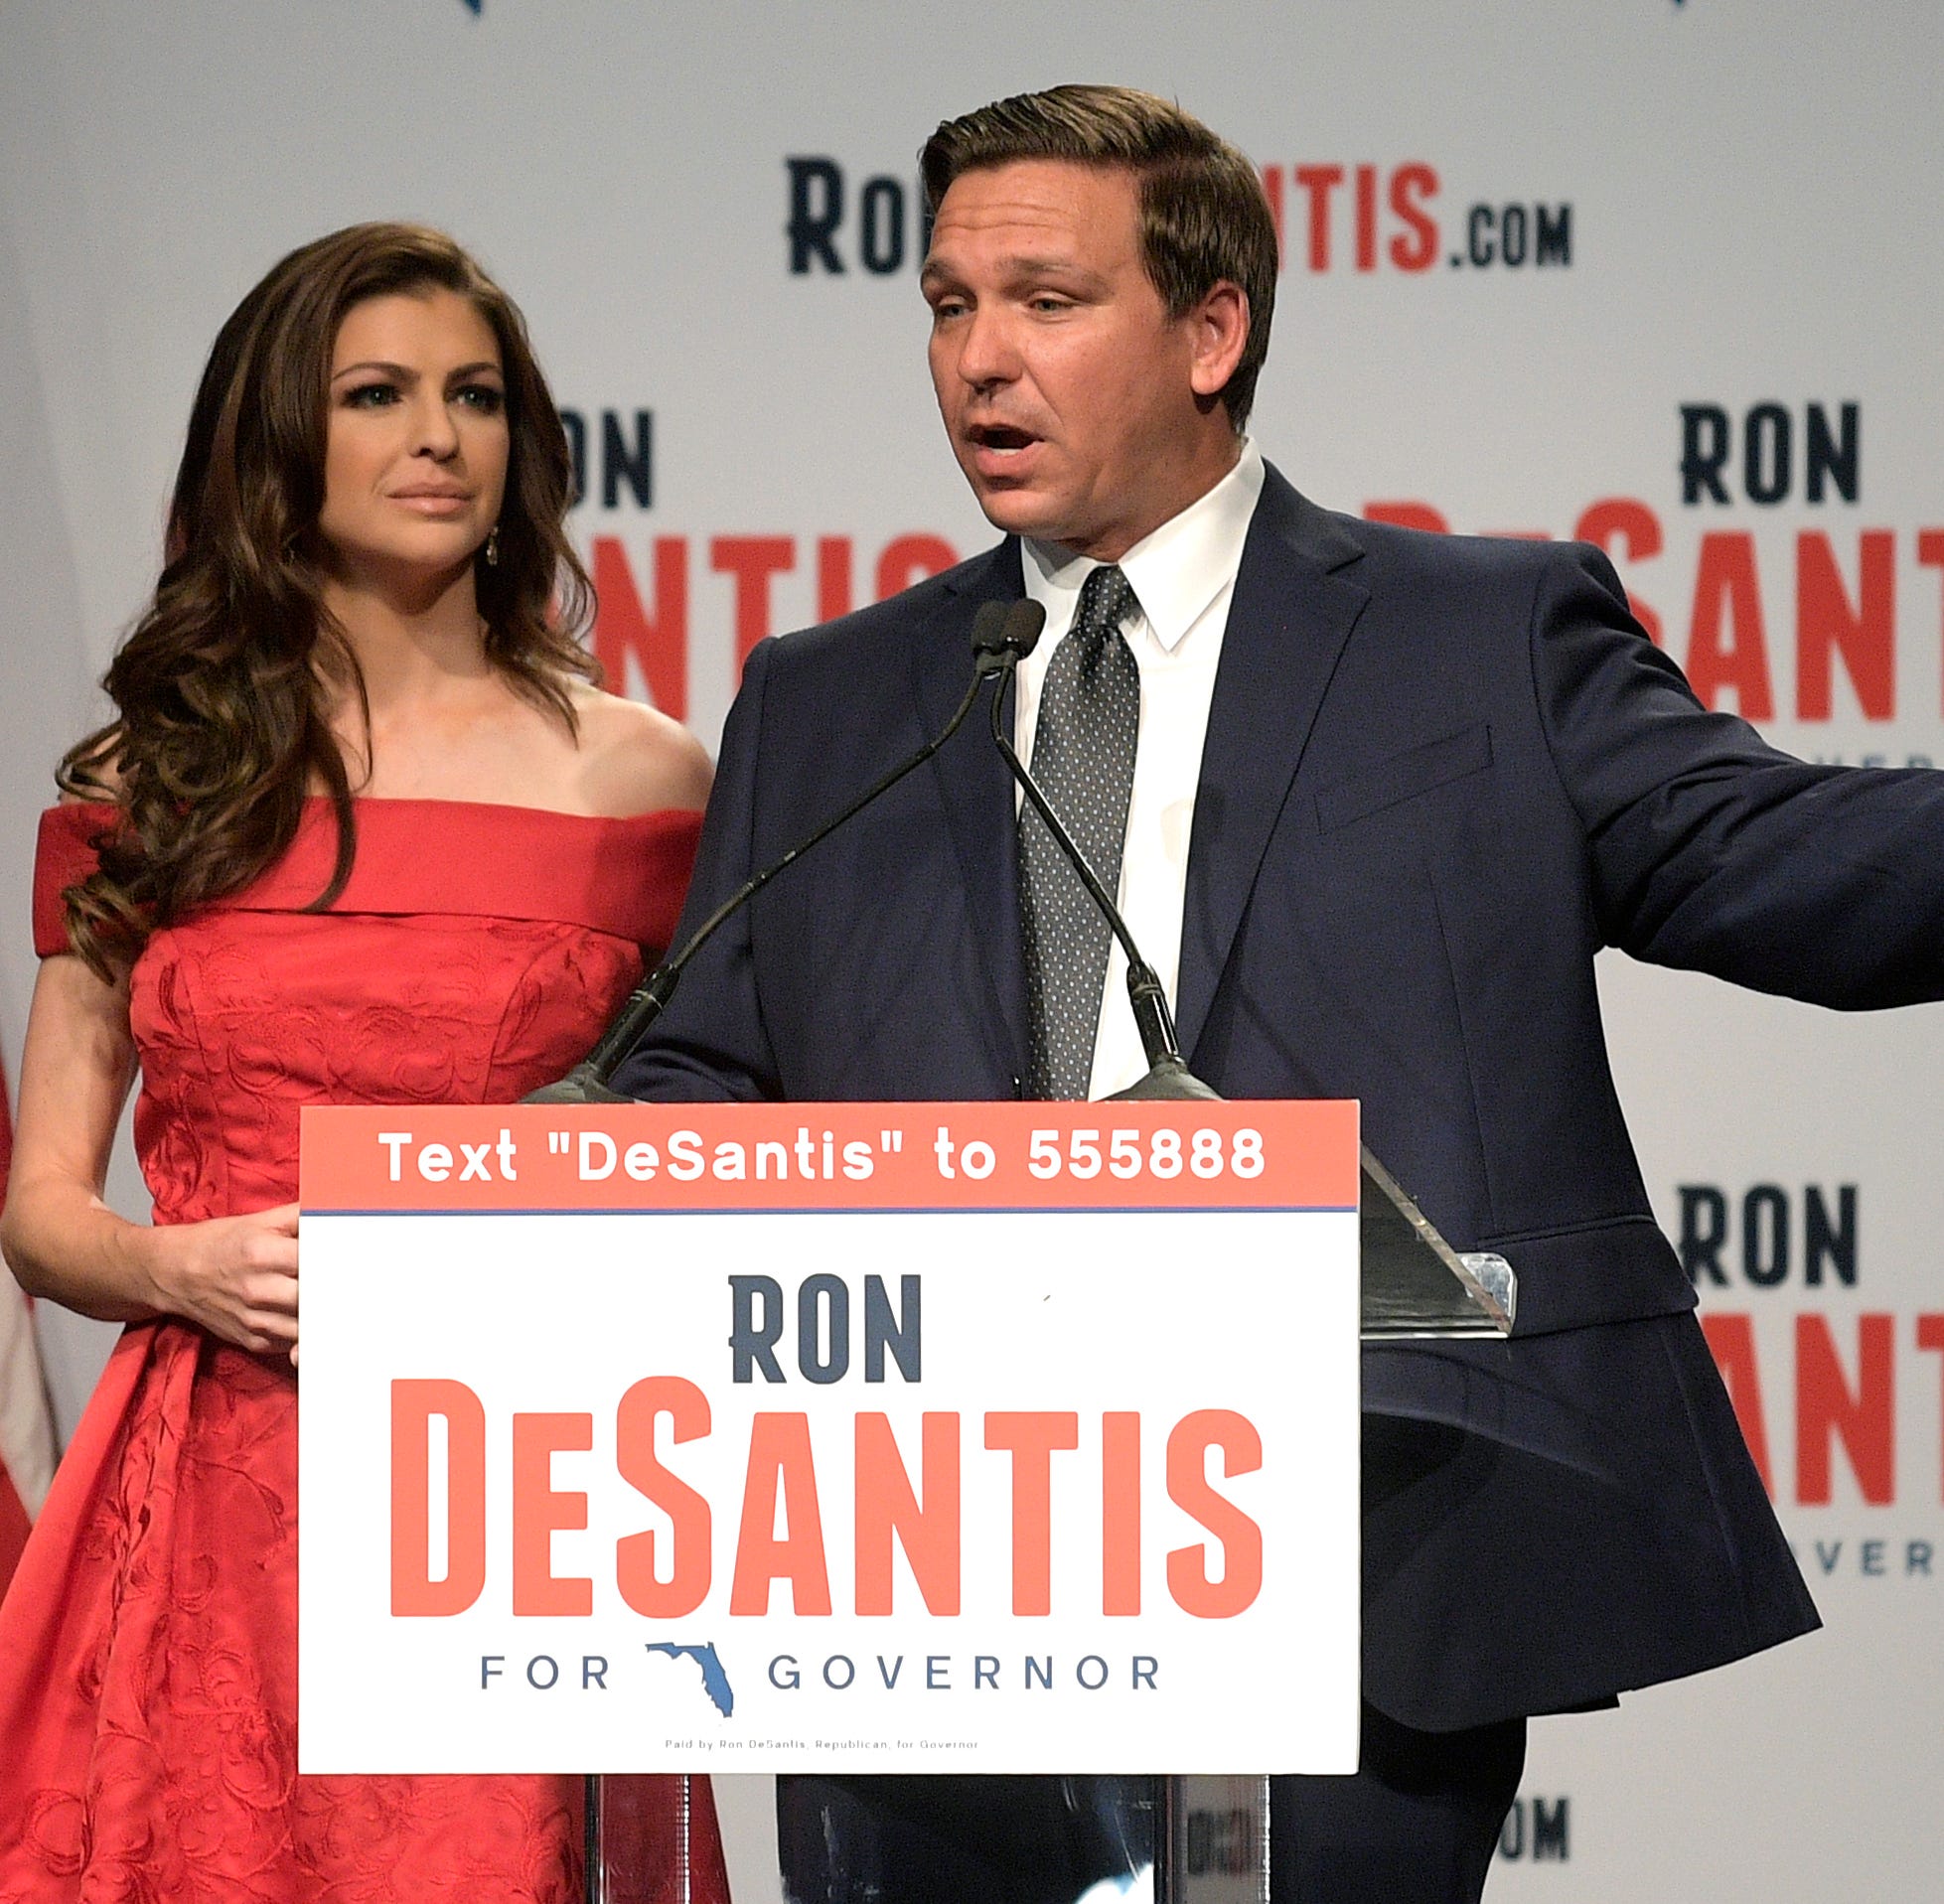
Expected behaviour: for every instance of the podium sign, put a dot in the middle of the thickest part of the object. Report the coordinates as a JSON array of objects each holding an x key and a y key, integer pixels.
[{"x": 836, "y": 1438}]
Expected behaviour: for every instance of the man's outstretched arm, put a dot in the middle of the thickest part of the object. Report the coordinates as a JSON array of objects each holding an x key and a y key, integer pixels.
[{"x": 1713, "y": 850}]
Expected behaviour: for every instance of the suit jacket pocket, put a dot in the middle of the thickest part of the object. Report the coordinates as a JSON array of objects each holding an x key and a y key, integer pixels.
[{"x": 1403, "y": 777}]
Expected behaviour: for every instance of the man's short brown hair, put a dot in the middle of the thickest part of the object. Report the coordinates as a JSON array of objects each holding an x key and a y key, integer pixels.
[{"x": 1204, "y": 215}]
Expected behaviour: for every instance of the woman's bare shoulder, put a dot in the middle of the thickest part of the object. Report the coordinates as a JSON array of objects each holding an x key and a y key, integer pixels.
[{"x": 636, "y": 760}]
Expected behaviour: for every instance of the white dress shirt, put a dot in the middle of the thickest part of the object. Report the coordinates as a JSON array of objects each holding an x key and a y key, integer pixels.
[{"x": 1183, "y": 576}]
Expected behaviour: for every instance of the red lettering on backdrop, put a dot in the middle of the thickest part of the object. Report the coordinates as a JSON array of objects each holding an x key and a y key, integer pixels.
[
  {"x": 886, "y": 1506},
  {"x": 414, "y": 1593},
  {"x": 1732, "y": 1341},
  {"x": 1931, "y": 548},
  {"x": 540, "y": 1511},
  {"x": 1629, "y": 532},
  {"x": 1728, "y": 647},
  {"x": 1241, "y": 1540},
  {"x": 1366, "y": 218},
  {"x": 1864, "y": 1418},
  {"x": 1411, "y": 187},
  {"x": 833, "y": 595},
  {"x": 1930, "y": 1335},
  {"x": 780, "y": 1463},
  {"x": 690, "y": 1570},
  {"x": 1418, "y": 515},
  {"x": 910, "y": 558},
  {"x": 1319, "y": 181},
  {"x": 1120, "y": 1515},
  {"x": 1032, "y": 1437},
  {"x": 752, "y": 560},
  {"x": 657, "y": 640},
  {"x": 1827, "y": 622}
]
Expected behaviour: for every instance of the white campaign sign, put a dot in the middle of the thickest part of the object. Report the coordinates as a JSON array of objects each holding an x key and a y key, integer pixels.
[{"x": 616, "y": 1488}]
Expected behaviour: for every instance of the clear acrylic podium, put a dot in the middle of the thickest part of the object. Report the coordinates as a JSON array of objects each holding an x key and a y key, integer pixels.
[{"x": 1164, "y": 1840}]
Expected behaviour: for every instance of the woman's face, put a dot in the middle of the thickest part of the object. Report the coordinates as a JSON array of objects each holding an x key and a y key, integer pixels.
[{"x": 415, "y": 447}]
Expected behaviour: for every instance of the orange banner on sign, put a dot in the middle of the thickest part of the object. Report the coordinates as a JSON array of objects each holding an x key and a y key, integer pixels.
[{"x": 1301, "y": 1155}]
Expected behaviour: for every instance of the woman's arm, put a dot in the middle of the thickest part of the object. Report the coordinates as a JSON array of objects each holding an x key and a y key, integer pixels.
[{"x": 236, "y": 1275}]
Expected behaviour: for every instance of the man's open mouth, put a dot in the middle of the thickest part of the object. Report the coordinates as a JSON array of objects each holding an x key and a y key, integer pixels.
[{"x": 1000, "y": 436}]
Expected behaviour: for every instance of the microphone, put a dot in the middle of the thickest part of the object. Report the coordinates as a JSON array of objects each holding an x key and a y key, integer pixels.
[
  {"x": 587, "y": 1081},
  {"x": 1008, "y": 642}
]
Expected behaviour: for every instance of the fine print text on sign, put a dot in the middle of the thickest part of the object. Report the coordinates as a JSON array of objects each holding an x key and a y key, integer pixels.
[{"x": 857, "y": 1437}]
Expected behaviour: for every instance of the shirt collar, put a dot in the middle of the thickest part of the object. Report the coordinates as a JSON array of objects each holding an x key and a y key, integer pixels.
[{"x": 1175, "y": 571}]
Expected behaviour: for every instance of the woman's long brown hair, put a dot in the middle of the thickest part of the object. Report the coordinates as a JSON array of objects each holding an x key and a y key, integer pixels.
[{"x": 224, "y": 687}]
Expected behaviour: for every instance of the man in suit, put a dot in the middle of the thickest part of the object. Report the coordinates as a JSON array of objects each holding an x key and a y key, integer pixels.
[{"x": 1373, "y": 799}]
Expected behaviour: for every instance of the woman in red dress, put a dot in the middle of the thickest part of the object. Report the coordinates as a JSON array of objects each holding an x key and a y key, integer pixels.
[{"x": 363, "y": 831}]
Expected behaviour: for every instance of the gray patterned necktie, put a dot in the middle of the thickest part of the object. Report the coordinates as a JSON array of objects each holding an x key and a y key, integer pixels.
[{"x": 1084, "y": 759}]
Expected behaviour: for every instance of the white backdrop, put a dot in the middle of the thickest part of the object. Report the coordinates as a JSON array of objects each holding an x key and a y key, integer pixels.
[{"x": 1750, "y": 232}]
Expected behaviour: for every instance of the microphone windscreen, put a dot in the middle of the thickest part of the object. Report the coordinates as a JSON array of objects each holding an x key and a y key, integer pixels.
[
  {"x": 1023, "y": 622},
  {"x": 988, "y": 630}
]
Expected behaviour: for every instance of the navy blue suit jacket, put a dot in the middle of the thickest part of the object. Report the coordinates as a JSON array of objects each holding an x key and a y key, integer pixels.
[{"x": 1441, "y": 774}]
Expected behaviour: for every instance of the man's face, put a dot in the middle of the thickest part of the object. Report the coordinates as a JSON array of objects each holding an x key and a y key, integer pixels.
[{"x": 1068, "y": 393}]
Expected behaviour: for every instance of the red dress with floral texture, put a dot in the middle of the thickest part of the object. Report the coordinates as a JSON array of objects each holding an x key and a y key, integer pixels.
[{"x": 147, "y": 1644}]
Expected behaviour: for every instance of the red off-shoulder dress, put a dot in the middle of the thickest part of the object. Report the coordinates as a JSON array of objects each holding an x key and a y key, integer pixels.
[{"x": 147, "y": 1644}]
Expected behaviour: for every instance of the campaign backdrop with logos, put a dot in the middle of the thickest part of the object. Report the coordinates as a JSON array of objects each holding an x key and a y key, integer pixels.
[{"x": 1661, "y": 273}]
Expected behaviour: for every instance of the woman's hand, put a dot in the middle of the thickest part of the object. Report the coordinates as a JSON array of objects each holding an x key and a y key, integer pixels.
[{"x": 236, "y": 1276}]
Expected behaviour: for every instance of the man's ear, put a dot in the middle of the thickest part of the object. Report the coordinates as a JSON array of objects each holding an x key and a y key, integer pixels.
[{"x": 1219, "y": 329}]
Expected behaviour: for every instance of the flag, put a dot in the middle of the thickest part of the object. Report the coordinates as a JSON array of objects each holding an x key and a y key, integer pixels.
[{"x": 25, "y": 1427}]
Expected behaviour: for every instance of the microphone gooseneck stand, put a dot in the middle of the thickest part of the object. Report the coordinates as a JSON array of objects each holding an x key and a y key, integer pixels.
[
  {"x": 587, "y": 1081},
  {"x": 1168, "y": 1077}
]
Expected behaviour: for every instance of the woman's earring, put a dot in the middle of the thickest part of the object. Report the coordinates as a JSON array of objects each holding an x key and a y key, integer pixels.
[{"x": 492, "y": 546}]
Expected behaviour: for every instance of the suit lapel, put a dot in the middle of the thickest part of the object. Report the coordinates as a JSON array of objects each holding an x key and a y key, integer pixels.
[
  {"x": 1289, "y": 620},
  {"x": 974, "y": 784}
]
